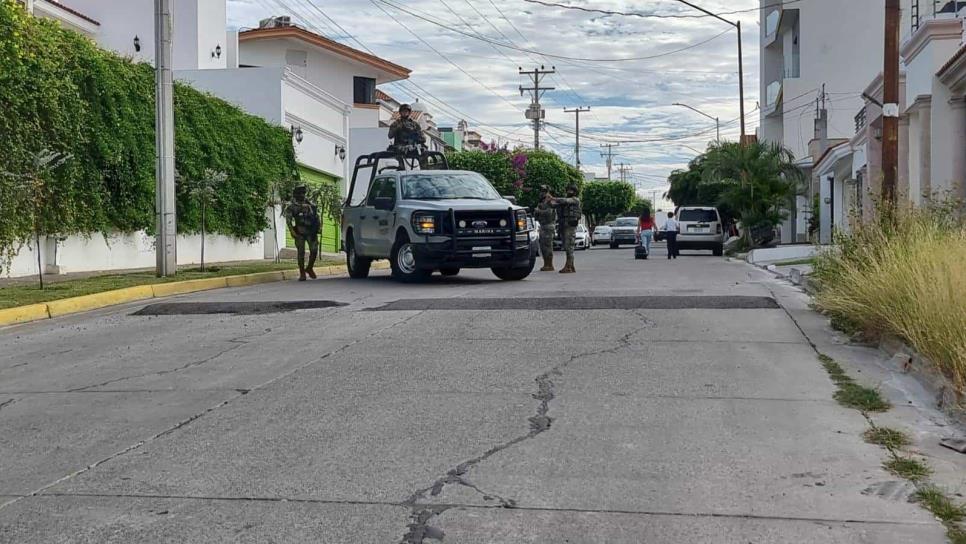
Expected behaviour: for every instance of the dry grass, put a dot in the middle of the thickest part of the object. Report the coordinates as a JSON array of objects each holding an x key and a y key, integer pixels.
[{"x": 906, "y": 279}]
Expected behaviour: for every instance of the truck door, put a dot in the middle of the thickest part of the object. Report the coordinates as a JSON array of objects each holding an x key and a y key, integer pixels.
[{"x": 378, "y": 216}]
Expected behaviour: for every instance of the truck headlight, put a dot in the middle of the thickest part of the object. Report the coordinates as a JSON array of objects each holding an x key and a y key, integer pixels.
[
  {"x": 424, "y": 223},
  {"x": 522, "y": 220}
]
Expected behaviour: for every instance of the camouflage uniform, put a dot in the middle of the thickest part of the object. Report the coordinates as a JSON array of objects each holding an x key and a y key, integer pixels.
[
  {"x": 405, "y": 132},
  {"x": 302, "y": 218},
  {"x": 569, "y": 212},
  {"x": 547, "y": 216}
]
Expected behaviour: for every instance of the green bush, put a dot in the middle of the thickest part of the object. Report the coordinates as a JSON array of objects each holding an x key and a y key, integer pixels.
[
  {"x": 519, "y": 173},
  {"x": 60, "y": 92}
]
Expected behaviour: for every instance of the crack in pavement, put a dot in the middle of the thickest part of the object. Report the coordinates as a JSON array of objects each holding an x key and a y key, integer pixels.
[
  {"x": 540, "y": 422},
  {"x": 195, "y": 417},
  {"x": 236, "y": 343},
  {"x": 7, "y": 403}
]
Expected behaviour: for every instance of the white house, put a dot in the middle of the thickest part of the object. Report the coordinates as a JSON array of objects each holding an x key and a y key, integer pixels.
[{"x": 807, "y": 47}]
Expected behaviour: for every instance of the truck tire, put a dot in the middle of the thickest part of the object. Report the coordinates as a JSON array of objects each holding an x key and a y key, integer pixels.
[
  {"x": 718, "y": 251},
  {"x": 514, "y": 274},
  {"x": 402, "y": 261},
  {"x": 358, "y": 266}
]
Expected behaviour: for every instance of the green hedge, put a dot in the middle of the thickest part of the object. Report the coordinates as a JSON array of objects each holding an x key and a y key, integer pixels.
[
  {"x": 60, "y": 92},
  {"x": 520, "y": 172}
]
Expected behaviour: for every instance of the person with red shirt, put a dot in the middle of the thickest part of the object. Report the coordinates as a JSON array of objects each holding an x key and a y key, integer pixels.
[{"x": 645, "y": 230}]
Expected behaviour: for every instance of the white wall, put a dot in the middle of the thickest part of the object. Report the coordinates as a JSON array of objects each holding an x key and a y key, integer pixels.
[
  {"x": 132, "y": 250},
  {"x": 256, "y": 90},
  {"x": 197, "y": 27}
]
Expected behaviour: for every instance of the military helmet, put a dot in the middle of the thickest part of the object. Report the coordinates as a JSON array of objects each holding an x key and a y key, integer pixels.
[
  {"x": 544, "y": 188},
  {"x": 300, "y": 188},
  {"x": 572, "y": 188},
  {"x": 405, "y": 107}
]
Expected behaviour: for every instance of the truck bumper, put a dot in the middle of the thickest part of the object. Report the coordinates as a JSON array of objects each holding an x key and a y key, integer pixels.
[{"x": 436, "y": 255}]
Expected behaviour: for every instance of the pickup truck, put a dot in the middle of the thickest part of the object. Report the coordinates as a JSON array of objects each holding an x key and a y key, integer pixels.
[{"x": 435, "y": 220}]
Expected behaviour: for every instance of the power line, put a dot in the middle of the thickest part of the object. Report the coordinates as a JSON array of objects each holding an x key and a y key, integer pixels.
[
  {"x": 656, "y": 15},
  {"x": 535, "y": 52}
]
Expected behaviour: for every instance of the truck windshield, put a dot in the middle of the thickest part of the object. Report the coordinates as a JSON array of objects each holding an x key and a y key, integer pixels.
[
  {"x": 462, "y": 185},
  {"x": 627, "y": 222}
]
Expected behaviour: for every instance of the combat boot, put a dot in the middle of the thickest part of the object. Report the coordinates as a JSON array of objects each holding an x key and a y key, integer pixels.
[
  {"x": 547, "y": 263},
  {"x": 569, "y": 267}
]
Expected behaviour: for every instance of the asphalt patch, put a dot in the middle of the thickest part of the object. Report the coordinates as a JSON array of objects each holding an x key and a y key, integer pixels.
[
  {"x": 584, "y": 303},
  {"x": 237, "y": 308}
]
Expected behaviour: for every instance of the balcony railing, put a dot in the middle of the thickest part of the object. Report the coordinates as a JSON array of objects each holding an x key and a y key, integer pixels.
[{"x": 922, "y": 10}]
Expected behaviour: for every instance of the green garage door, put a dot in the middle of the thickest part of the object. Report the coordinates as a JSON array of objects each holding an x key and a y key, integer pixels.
[{"x": 330, "y": 230}]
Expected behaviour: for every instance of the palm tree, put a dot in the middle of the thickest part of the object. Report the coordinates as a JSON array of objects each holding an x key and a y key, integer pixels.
[{"x": 760, "y": 181}]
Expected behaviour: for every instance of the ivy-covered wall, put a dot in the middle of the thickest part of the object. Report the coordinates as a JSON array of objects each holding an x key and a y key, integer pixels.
[{"x": 60, "y": 92}]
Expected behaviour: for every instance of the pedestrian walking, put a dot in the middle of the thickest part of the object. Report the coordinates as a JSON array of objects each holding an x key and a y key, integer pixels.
[
  {"x": 645, "y": 230},
  {"x": 568, "y": 210},
  {"x": 546, "y": 215},
  {"x": 671, "y": 230},
  {"x": 302, "y": 219}
]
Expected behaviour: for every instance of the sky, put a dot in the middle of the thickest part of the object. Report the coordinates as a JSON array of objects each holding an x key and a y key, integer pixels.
[{"x": 465, "y": 63}]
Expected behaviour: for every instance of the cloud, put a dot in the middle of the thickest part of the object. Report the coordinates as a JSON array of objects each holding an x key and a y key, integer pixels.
[{"x": 629, "y": 100}]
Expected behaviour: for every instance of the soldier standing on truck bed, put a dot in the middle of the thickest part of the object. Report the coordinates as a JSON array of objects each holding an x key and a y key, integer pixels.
[
  {"x": 568, "y": 210},
  {"x": 546, "y": 215},
  {"x": 302, "y": 219}
]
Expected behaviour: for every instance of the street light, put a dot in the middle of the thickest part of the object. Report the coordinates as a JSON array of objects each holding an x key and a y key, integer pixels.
[
  {"x": 741, "y": 63},
  {"x": 717, "y": 122}
]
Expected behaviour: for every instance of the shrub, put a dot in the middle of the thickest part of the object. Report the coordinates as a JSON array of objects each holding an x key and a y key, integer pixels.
[
  {"x": 903, "y": 276},
  {"x": 60, "y": 92}
]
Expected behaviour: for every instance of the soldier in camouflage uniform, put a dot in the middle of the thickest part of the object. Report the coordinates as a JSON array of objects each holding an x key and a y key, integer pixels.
[
  {"x": 302, "y": 219},
  {"x": 547, "y": 216},
  {"x": 568, "y": 209}
]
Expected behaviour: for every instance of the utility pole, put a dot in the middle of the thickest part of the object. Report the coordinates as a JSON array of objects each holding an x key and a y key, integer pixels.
[
  {"x": 164, "y": 206},
  {"x": 890, "y": 106},
  {"x": 624, "y": 170},
  {"x": 610, "y": 157},
  {"x": 577, "y": 111},
  {"x": 535, "y": 113}
]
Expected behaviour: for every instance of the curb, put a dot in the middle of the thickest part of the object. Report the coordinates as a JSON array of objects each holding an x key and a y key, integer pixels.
[{"x": 95, "y": 301}]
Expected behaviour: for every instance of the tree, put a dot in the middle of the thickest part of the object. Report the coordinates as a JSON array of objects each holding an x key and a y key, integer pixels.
[
  {"x": 604, "y": 198},
  {"x": 639, "y": 206},
  {"x": 205, "y": 191},
  {"x": 759, "y": 181},
  {"x": 519, "y": 173}
]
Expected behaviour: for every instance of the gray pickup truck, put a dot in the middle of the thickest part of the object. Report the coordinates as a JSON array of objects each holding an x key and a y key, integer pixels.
[{"x": 428, "y": 220}]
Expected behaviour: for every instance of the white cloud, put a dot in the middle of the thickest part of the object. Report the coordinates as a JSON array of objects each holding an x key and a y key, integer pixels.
[{"x": 629, "y": 100}]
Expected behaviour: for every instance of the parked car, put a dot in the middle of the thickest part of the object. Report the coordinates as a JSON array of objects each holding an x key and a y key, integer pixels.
[
  {"x": 624, "y": 231},
  {"x": 602, "y": 234},
  {"x": 582, "y": 240},
  {"x": 430, "y": 220},
  {"x": 701, "y": 228}
]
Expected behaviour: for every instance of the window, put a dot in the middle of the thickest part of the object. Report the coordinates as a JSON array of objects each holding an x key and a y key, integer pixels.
[
  {"x": 382, "y": 188},
  {"x": 363, "y": 90},
  {"x": 627, "y": 222},
  {"x": 700, "y": 216},
  {"x": 469, "y": 186}
]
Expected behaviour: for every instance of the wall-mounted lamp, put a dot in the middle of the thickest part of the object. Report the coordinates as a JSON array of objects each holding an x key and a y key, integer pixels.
[
  {"x": 217, "y": 52},
  {"x": 340, "y": 152},
  {"x": 877, "y": 133},
  {"x": 137, "y": 43},
  {"x": 297, "y": 134}
]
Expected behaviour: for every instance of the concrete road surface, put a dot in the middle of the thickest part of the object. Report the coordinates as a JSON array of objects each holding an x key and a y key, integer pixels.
[{"x": 671, "y": 401}]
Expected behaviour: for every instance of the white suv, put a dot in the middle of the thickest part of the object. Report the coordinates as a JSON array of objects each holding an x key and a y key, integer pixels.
[{"x": 701, "y": 228}]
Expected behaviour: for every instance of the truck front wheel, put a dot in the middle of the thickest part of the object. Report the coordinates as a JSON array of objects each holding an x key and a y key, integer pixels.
[
  {"x": 403, "y": 262},
  {"x": 514, "y": 274}
]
